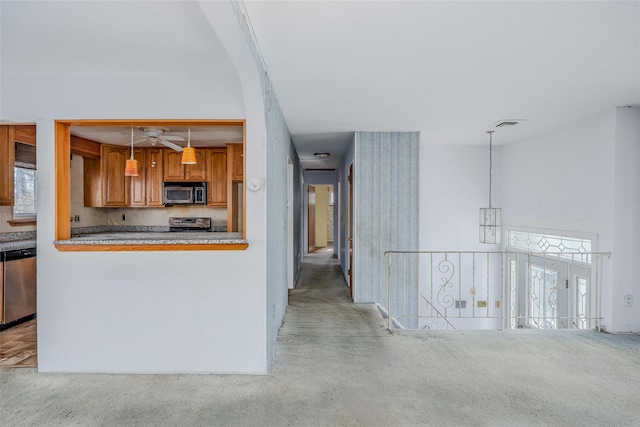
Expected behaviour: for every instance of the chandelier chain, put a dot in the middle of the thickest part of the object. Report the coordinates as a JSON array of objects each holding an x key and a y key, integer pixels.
[{"x": 490, "y": 162}]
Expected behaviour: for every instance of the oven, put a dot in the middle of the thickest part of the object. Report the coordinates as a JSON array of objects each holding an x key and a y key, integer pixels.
[{"x": 186, "y": 224}]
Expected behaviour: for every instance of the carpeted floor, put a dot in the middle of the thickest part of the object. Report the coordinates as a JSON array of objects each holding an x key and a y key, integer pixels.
[{"x": 337, "y": 365}]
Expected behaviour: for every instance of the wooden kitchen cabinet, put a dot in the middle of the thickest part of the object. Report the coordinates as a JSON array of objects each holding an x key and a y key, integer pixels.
[
  {"x": 92, "y": 183},
  {"x": 235, "y": 161},
  {"x": 146, "y": 188},
  {"x": 173, "y": 167},
  {"x": 139, "y": 183},
  {"x": 115, "y": 186},
  {"x": 9, "y": 135},
  {"x": 216, "y": 166},
  {"x": 174, "y": 170},
  {"x": 154, "y": 164},
  {"x": 7, "y": 160}
]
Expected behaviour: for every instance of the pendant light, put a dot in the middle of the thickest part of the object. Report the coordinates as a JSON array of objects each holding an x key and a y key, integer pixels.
[
  {"x": 189, "y": 153},
  {"x": 131, "y": 166},
  {"x": 490, "y": 218}
]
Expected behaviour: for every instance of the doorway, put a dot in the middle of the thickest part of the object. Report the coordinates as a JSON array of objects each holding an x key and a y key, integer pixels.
[
  {"x": 320, "y": 218},
  {"x": 551, "y": 289}
]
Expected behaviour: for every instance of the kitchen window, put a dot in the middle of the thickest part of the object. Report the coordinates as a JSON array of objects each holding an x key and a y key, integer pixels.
[{"x": 24, "y": 175}]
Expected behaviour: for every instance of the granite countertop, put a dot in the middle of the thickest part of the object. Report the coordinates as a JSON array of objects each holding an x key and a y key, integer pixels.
[
  {"x": 154, "y": 238},
  {"x": 17, "y": 244}
]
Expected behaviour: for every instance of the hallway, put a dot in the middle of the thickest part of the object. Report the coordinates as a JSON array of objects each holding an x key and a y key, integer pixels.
[{"x": 337, "y": 365}]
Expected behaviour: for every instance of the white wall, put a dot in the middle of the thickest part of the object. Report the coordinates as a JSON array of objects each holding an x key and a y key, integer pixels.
[
  {"x": 563, "y": 179},
  {"x": 193, "y": 311},
  {"x": 454, "y": 185},
  {"x": 626, "y": 246},
  {"x": 583, "y": 178}
]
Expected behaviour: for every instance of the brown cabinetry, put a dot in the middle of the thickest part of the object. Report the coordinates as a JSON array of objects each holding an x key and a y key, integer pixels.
[
  {"x": 146, "y": 188},
  {"x": 9, "y": 135},
  {"x": 236, "y": 161},
  {"x": 92, "y": 183},
  {"x": 7, "y": 160},
  {"x": 174, "y": 170},
  {"x": 115, "y": 186},
  {"x": 216, "y": 166}
]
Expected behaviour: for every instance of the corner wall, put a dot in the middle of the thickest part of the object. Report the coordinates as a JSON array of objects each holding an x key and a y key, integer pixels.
[
  {"x": 342, "y": 213},
  {"x": 626, "y": 246},
  {"x": 279, "y": 148},
  {"x": 386, "y": 190},
  {"x": 146, "y": 312}
]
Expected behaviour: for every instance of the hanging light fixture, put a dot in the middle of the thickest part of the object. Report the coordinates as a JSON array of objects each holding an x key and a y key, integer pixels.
[
  {"x": 131, "y": 166},
  {"x": 490, "y": 218},
  {"x": 189, "y": 153}
]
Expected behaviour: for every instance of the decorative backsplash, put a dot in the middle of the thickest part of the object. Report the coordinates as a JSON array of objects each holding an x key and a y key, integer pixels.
[
  {"x": 17, "y": 235},
  {"x": 78, "y": 231}
]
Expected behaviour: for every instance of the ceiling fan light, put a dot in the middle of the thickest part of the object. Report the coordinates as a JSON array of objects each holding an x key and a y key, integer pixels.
[
  {"x": 189, "y": 156},
  {"x": 131, "y": 168}
]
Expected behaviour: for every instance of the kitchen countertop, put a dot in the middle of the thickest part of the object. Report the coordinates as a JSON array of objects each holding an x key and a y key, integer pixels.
[
  {"x": 154, "y": 238},
  {"x": 17, "y": 244}
]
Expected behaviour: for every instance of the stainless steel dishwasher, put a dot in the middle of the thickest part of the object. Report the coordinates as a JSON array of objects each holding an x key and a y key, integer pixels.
[{"x": 19, "y": 284}]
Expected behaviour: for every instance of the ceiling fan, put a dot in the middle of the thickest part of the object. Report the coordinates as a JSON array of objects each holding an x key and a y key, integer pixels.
[{"x": 158, "y": 135}]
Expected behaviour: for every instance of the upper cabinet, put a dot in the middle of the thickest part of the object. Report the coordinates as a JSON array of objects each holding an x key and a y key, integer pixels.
[
  {"x": 216, "y": 177},
  {"x": 7, "y": 160},
  {"x": 115, "y": 186},
  {"x": 9, "y": 135},
  {"x": 25, "y": 134},
  {"x": 146, "y": 188},
  {"x": 174, "y": 170},
  {"x": 154, "y": 174},
  {"x": 236, "y": 161},
  {"x": 105, "y": 184}
]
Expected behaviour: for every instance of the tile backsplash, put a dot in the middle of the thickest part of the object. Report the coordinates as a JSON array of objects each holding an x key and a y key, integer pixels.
[{"x": 13, "y": 236}]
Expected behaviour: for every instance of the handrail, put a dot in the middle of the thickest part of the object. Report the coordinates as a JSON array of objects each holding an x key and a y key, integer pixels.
[{"x": 452, "y": 277}]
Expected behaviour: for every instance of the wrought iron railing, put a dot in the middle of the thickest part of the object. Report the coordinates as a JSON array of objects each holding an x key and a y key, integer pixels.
[{"x": 494, "y": 290}]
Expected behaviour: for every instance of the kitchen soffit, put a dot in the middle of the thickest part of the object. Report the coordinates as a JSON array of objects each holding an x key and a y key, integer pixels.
[{"x": 201, "y": 136}]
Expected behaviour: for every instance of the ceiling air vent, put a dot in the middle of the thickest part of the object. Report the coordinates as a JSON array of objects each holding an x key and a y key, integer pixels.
[{"x": 507, "y": 122}]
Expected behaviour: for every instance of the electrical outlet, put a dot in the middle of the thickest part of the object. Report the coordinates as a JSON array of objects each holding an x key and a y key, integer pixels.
[
  {"x": 482, "y": 304},
  {"x": 76, "y": 218},
  {"x": 628, "y": 300}
]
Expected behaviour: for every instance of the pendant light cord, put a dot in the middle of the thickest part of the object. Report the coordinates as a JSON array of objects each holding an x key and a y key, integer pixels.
[
  {"x": 490, "y": 162},
  {"x": 132, "y": 143}
]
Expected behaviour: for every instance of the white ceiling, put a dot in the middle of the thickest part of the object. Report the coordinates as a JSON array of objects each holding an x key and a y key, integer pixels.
[
  {"x": 446, "y": 69},
  {"x": 109, "y": 36},
  {"x": 201, "y": 136}
]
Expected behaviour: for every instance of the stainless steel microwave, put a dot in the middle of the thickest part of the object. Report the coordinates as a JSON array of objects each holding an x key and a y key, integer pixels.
[{"x": 185, "y": 193}]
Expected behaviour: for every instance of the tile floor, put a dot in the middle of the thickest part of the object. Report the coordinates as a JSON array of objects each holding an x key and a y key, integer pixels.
[{"x": 18, "y": 346}]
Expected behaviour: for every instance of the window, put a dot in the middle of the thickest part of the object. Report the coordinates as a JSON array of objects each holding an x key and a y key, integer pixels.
[
  {"x": 24, "y": 178},
  {"x": 24, "y": 206}
]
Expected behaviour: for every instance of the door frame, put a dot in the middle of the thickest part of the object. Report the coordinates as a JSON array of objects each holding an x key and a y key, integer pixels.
[
  {"x": 311, "y": 218},
  {"x": 290, "y": 248},
  {"x": 350, "y": 234}
]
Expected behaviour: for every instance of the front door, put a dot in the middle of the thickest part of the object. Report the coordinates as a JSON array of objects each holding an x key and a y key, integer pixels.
[{"x": 549, "y": 293}]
